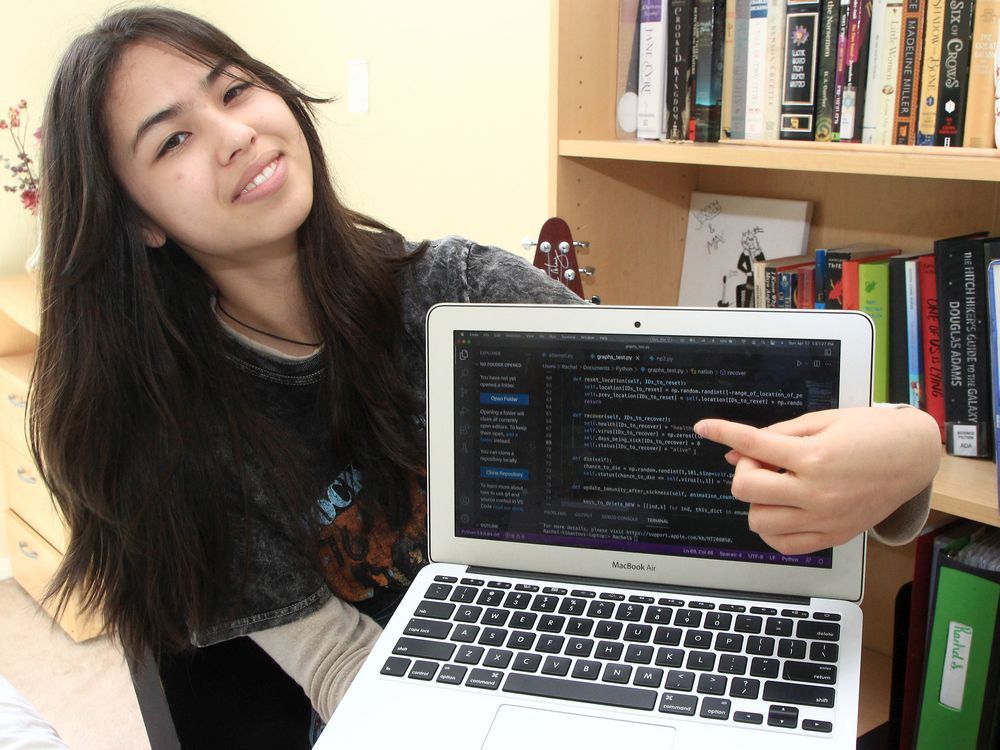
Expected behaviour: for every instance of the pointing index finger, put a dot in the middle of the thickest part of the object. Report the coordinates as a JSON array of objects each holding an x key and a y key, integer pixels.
[{"x": 761, "y": 445}]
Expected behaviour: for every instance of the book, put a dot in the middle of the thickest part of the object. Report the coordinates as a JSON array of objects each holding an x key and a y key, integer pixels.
[
  {"x": 650, "y": 120},
  {"x": 841, "y": 69},
  {"x": 959, "y": 701},
  {"x": 798, "y": 97},
  {"x": 953, "y": 82},
  {"x": 728, "y": 71},
  {"x": 627, "y": 86},
  {"x": 908, "y": 78},
  {"x": 930, "y": 72},
  {"x": 756, "y": 70},
  {"x": 914, "y": 349},
  {"x": 855, "y": 71},
  {"x": 707, "y": 109},
  {"x": 741, "y": 22},
  {"x": 993, "y": 324},
  {"x": 930, "y": 338},
  {"x": 905, "y": 345},
  {"x": 833, "y": 271},
  {"x": 772, "y": 278},
  {"x": 680, "y": 28},
  {"x": 826, "y": 70},
  {"x": 774, "y": 68},
  {"x": 727, "y": 235},
  {"x": 980, "y": 118},
  {"x": 805, "y": 286},
  {"x": 960, "y": 263},
  {"x": 873, "y": 281},
  {"x": 883, "y": 64}
]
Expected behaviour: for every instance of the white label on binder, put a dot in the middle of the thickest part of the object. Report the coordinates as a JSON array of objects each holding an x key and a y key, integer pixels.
[
  {"x": 956, "y": 665},
  {"x": 963, "y": 438}
]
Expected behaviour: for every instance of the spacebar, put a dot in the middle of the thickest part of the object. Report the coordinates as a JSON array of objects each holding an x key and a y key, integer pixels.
[{"x": 576, "y": 690}]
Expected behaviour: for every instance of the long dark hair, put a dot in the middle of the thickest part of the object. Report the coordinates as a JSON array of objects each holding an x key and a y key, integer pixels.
[{"x": 130, "y": 359}]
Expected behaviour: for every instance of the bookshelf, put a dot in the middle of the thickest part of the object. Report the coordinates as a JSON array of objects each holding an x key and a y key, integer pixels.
[{"x": 630, "y": 201}]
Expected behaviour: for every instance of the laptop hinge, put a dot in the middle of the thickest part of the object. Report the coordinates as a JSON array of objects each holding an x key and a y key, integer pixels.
[{"x": 642, "y": 586}]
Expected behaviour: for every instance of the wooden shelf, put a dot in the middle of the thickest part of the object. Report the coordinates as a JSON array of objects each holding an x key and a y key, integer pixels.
[
  {"x": 842, "y": 158},
  {"x": 876, "y": 679},
  {"x": 967, "y": 487}
]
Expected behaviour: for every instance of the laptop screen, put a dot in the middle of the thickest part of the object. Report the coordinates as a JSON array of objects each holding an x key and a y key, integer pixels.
[{"x": 584, "y": 440}]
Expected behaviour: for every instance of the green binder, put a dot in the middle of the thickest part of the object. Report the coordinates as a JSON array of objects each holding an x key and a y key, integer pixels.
[{"x": 959, "y": 706}]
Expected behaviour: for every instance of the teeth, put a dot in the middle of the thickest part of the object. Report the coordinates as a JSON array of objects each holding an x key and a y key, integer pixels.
[{"x": 266, "y": 174}]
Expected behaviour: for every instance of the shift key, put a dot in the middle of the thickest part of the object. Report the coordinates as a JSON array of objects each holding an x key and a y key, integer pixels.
[
  {"x": 422, "y": 649},
  {"x": 799, "y": 694}
]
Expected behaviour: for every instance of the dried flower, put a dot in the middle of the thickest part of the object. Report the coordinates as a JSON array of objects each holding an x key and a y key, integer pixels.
[{"x": 25, "y": 182}]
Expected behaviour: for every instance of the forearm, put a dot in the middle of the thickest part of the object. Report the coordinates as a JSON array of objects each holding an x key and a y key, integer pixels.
[{"x": 322, "y": 651}]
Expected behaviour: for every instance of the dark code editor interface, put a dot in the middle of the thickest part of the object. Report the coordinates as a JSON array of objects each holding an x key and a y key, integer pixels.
[{"x": 585, "y": 440}]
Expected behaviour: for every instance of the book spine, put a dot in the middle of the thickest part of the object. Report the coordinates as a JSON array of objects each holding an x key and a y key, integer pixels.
[
  {"x": 908, "y": 77},
  {"x": 756, "y": 70},
  {"x": 679, "y": 33},
  {"x": 876, "y": 51},
  {"x": 856, "y": 71},
  {"x": 728, "y": 53},
  {"x": 913, "y": 350},
  {"x": 652, "y": 67},
  {"x": 881, "y": 96},
  {"x": 739, "y": 95},
  {"x": 774, "y": 67},
  {"x": 805, "y": 287},
  {"x": 930, "y": 72},
  {"x": 841, "y": 70},
  {"x": 827, "y": 70},
  {"x": 771, "y": 291},
  {"x": 820, "y": 278},
  {"x": 979, "y": 111},
  {"x": 627, "y": 84},
  {"x": 993, "y": 322},
  {"x": 933, "y": 393},
  {"x": 798, "y": 97},
  {"x": 953, "y": 83},
  {"x": 834, "y": 282},
  {"x": 899, "y": 355},
  {"x": 708, "y": 85},
  {"x": 873, "y": 284},
  {"x": 849, "y": 278},
  {"x": 962, "y": 307}
]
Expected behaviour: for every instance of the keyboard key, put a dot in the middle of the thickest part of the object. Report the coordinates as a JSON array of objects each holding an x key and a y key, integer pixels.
[
  {"x": 628, "y": 612},
  {"x": 608, "y": 629},
  {"x": 550, "y": 644},
  {"x": 584, "y": 669},
  {"x": 665, "y": 636},
  {"x": 556, "y": 665},
  {"x": 783, "y": 716},
  {"x": 581, "y": 648},
  {"x": 823, "y": 651},
  {"x": 718, "y": 620},
  {"x": 609, "y": 650},
  {"x": 551, "y": 623},
  {"x": 529, "y": 587},
  {"x": 617, "y": 673},
  {"x": 468, "y": 614},
  {"x": 701, "y": 605},
  {"x": 703, "y": 661},
  {"x": 435, "y": 610},
  {"x": 743, "y": 687},
  {"x": 803, "y": 671},
  {"x": 733, "y": 664},
  {"x": 731, "y": 642},
  {"x": 452, "y": 674},
  {"x": 818, "y": 631},
  {"x": 464, "y": 594},
  {"x": 601, "y": 609},
  {"x": 760, "y": 645},
  {"x": 521, "y": 640},
  {"x": 527, "y": 662},
  {"x": 544, "y": 603},
  {"x": 465, "y": 633},
  {"x": 585, "y": 593},
  {"x": 748, "y": 717},
  {"x": 469, "y": 654},
  {"x": 579, "y": 690},
  {"x": 446, "y": 579},
  {"x": 573, "y": 606},
  {"x": 797, "y": 613},
  {"x": 829, "y": 616},
  {"x": 421, "y": 649},
  {"x": 395, "y": 666},
  {"x": 811, "y": 725},
  {"x": 715, "y": 708},
  {"x": 498, "y": 658},
  {"x": 495, "y": 617},
  {"x": 613, "y": 596},
  {"x": 438, "y": 591},
  {"x": 523, "y": 620},
  {"x": 637, "y": 654},
  {"x": 579, "y": 626},
  {"x": 500, "y": 585},
  {"x": 670, "y": 603},
  {"x": 732, "y": 608},
  {"x": 490, "y": 598},
  {"x": 517, "y": 600},
  {"x": 669, "y": 657},
  {"x": 678, "y": 680},
  {"x": 641, "y": 599},
  {"x": 488, "y": 679},
  {"x": 554, "y": 590},
  {"x": 689, "y": 618},
  {"x": 712, "y": 684},
  {"x": 428, "y": 628},
  {"x": 473, "y": 582},
  {"x": 763, "y": 611},
  {"x": 423, "y": 670},
  {"x": 493, "y": 637},
  {"x": 760, "y": 667},
  {"x": 698, "y": 639},
  {"x": 789, "y": 649},
  {"x": 676, "y": 703},
  {"x": 648, "y": 677},
  {"x": 638, "y": 633},
  {"x": 778, "y": 626},
  {"x": 800, "y": 694},
  {"x": 749, "y": 623},
  {"x": 658, "y": 615}
]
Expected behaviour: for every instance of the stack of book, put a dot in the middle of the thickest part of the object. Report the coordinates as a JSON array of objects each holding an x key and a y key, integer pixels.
[{"x": 907, "y": 72}]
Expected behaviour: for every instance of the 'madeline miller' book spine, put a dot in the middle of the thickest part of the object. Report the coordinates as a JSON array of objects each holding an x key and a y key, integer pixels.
[
  {"x": 798, "y": 97},
  {"x": 826, "y": 77},
  {"x": 960, "y": 263},
  {"x": 908, "y": 80},
  {"x": 953, "y": 83},
  {"x": 680, "y": 20}
]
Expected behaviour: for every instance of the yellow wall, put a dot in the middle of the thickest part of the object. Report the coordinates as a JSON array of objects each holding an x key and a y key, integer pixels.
[{"x": 456, "y": 139}]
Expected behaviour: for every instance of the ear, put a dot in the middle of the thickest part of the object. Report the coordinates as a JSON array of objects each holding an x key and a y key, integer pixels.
[{"x": 152, "y": 235}]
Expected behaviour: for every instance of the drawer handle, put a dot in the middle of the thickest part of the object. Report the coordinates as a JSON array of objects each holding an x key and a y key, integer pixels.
[
  {"x": 25, "y": 476},
  {"x": 27, "y": 551},
  {"x": 16, "y": 401}
]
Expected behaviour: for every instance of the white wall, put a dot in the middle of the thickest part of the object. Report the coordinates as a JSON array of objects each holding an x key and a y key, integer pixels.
[{"x": 456, "y": 139}]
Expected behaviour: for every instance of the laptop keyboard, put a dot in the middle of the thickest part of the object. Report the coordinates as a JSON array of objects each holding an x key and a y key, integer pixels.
[{"x": 687, "y": 657}]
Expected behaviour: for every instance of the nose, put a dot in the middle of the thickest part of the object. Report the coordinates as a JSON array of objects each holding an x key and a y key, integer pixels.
[{"x": 235, "y": 137}]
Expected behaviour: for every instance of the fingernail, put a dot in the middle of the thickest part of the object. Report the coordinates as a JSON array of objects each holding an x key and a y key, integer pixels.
[{"x": 698, "y": 429}]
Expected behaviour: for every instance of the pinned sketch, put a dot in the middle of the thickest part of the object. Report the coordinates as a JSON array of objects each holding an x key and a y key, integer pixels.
[{"x": 727, "y": 235}]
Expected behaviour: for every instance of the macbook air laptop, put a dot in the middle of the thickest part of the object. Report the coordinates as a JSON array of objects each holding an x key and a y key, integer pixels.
[{"x": 594, "y": 583}]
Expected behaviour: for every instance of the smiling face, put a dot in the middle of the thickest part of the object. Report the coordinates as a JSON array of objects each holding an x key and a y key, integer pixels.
[{"x": 214, "y": 163}]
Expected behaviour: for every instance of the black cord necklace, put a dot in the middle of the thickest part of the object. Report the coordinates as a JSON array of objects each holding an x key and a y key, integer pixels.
[{"x": 224, "y": 311}]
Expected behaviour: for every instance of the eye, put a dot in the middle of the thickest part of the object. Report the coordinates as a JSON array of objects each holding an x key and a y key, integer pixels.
[
  {"x": 172, "y": 143},
  {"x": 234, "y": 91}
]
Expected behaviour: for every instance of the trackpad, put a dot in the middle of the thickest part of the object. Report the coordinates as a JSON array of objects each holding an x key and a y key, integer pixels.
[{"x": 515, "y": 726}]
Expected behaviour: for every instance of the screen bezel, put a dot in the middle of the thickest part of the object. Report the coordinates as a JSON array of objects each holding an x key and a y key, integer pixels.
[{"x": 854, "y": 331}]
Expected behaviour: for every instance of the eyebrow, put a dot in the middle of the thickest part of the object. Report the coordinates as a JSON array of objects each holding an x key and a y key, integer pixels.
[{"x": 175, "y": 109}]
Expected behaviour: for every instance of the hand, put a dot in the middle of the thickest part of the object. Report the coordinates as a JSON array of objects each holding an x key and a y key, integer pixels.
[{"x": 818, "y": 480}]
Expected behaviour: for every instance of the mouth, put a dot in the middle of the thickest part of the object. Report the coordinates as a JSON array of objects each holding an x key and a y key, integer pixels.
[{"x": 263, "y": 176}]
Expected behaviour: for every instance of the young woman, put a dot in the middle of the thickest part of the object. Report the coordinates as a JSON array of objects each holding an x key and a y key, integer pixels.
[{"x": 228, "y": 395}]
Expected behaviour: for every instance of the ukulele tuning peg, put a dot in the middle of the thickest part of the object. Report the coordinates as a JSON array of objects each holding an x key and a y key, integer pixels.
[
  {"x": 595, "y": 300},
  {"x": 545, "y": 247},
  {"x": 588, "y": 270},
  {"x": 527, "y": 243},
  {"x": 569, "y": 274},
  {"x": 580, "y": 244}
]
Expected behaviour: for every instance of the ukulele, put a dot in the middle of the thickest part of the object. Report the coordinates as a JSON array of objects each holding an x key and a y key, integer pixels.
[{"x": 555, "y": 254}]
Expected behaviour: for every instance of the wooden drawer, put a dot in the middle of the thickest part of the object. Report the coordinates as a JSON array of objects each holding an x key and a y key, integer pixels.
[
  {"x": 28, "y": 497},
  {"x": 34, "y": 561},
  {"x": 15, "y": 373}
]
